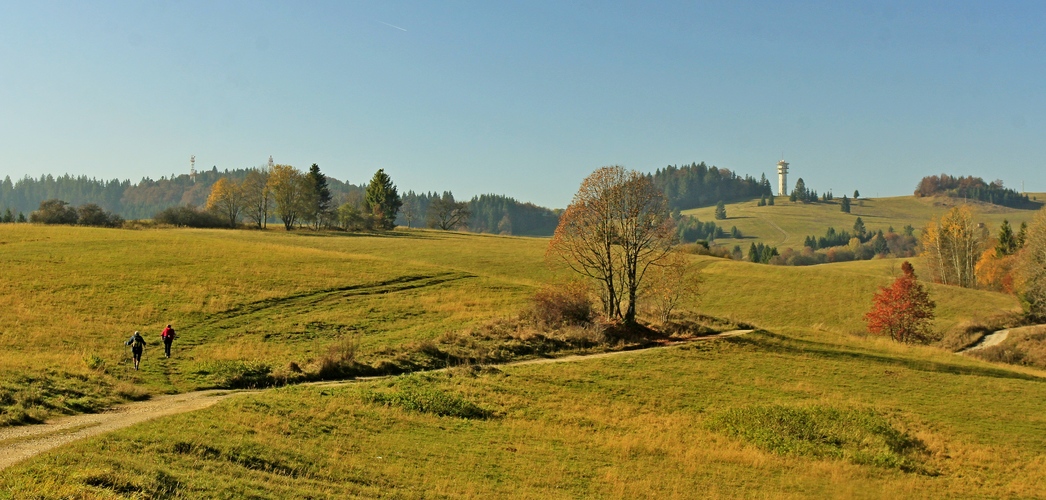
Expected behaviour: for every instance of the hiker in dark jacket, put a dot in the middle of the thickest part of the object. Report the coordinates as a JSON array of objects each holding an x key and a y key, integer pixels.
[
  {"x": 137, "y": 343},
  {"x": 168, "y": 338}
]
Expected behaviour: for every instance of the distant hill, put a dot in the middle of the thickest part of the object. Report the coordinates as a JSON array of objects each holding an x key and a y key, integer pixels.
[
  {"x": 974, "y": 188},
  {"x": 699, "y": 185},
  {"x": 786, "y": 224}
]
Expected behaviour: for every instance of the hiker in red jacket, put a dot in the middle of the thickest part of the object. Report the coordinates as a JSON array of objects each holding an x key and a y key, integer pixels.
[{"x": 168, "y": 337}]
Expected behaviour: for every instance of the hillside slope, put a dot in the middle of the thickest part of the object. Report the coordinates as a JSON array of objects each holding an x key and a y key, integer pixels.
[
  {"x": 898, "y": 421},
  {"x": 787, "y": 224}
]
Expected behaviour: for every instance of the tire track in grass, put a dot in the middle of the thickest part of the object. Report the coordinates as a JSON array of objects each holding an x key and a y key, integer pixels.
[
  {"x": 24, "y": 442},
  {"x": 242, "y": 313}
]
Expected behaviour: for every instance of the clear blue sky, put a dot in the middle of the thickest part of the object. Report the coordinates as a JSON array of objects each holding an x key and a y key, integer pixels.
[{"x": 526, "y": 98}]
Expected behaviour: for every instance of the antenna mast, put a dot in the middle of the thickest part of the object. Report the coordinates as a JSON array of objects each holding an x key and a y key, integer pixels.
[{"x": 192, "y": 168}]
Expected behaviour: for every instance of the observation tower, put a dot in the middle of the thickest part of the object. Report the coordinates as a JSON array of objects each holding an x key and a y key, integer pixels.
[{"x": 782, "y": 178}]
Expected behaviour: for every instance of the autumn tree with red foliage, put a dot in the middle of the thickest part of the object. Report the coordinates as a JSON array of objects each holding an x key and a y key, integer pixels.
[{"x": 903, "y": 310}]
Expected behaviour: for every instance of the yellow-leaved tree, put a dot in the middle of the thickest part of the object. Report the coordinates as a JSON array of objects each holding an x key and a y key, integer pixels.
[
  {"x": 226, "y": 199},
  {"x": 1031, "y": 270},
  {"x": 951, "y": 246},
  {"x": 292, "y": 194}
]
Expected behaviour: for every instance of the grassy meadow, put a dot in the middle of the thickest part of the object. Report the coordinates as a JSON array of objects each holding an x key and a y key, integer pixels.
[
  {"x": 238, "y": 299},
  {"x": 787, "y": 224},
  {"x": 807, "y": 406}
]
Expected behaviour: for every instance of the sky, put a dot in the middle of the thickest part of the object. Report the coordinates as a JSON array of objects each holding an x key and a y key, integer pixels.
[{"x": 526, "y": 98}]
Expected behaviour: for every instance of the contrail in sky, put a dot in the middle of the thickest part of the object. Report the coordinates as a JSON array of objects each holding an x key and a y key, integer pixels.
[{"x": 392, "y": 25}]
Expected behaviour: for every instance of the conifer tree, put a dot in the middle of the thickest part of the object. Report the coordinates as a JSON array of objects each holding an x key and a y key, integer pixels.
[
  {"x": 720, "y": 210},
  {"x": 382, "y": 201},
  {"x": 322, "y": 209}
]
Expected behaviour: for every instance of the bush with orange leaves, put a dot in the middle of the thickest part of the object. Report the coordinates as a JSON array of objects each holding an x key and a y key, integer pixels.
[{"x": 903, "y": 311}]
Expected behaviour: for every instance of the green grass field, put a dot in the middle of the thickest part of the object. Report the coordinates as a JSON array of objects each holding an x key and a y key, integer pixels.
[
  {"x": 808, "y": 406},
  {"x": 73, "y": 295},
  {"x": 787, "y": 224}
]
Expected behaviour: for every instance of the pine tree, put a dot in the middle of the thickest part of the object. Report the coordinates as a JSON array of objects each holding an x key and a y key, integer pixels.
[
  {"x": 845, "y": 205},
  {"x": 720, "y": 210},
  {"x": 859, "y": 229},
  {"x": 382, "y": 200},
  {"x": 322, "y": 211},
  {"x": 1007, "y": 244}
]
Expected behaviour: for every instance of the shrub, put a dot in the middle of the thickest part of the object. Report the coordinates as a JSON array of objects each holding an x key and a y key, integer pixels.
[
  {"x": 237, "y": 374},
  {"x": 412, "y": 395},
  {"x": 54, "y": 212},
  {"x": 93, "y": 215},
  {"x": 860, "y": 436},
  {"x": 562, "y": 304},
  {"x": 340, "y": 358},
  {"x": 189, "y": 216},
  {"x": 94, "y": 361}
]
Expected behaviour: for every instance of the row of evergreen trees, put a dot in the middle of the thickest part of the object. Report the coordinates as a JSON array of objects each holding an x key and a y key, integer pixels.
[
  {"x": 488, "y": 213},
  {"x": 698, "y": 185}
]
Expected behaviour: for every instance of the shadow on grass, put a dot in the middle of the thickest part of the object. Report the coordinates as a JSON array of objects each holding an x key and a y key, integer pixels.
[
  {"x": 774, "y": 342},
  {"x": 403, "y": 234}
]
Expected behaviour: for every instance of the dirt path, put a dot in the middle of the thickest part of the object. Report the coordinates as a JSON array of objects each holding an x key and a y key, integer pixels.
[
  {"x": 989, "y": 340},
  {"x": 996, "y": 338},
  {"x": 22, "y": 442}
]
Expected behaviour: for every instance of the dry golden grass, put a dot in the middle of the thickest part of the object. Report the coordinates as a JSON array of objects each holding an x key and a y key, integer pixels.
[{"x": 624, "y": 427}]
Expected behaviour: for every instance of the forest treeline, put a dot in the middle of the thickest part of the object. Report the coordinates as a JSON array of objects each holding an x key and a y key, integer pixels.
[
  {"x": 973, "y": 188},
  {"x": 146, "y": 199},
  {"x": 699, "y": 185},
  {"x": 685, "y": 187}
]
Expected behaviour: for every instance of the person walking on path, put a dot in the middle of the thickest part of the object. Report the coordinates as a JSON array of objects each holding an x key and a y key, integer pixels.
[
  {"x": 137, "y": 343},
  {"x": 168, "y": 338}
]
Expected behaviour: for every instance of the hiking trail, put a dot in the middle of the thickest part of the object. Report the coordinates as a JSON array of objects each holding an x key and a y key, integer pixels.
[{"x": 22, "y": 442}]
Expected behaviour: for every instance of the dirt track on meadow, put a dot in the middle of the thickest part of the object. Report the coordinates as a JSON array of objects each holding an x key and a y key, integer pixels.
[{"x": 23, "y": 442}]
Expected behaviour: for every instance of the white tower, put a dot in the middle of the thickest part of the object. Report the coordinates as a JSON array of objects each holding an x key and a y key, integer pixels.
[
  {"x": 782, "y": 178},
  {"x": 192, "y": 168}
]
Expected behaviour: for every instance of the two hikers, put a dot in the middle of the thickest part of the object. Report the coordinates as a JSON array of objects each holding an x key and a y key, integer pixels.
[
  {"x": 168, "y": 338},
  {"x": 137, "y": 344}
]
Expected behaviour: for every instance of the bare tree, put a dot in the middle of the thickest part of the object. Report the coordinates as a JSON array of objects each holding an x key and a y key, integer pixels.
[
  {"x": 615, "y": 228},
  {"x": 446, "y": 214},
  {"x": 672, "y": 281},
  {"x": 257, "y": 196},
  {"x": 410, "y": 210}
]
